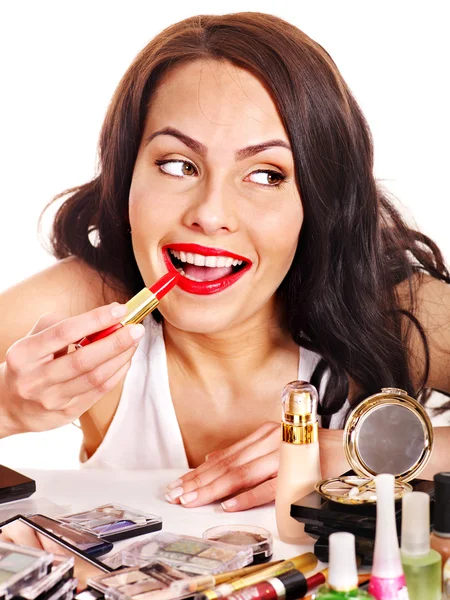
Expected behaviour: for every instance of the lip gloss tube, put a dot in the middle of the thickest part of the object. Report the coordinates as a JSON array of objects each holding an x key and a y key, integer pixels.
[
  {"x": 138, "y": 307},
  {"x": 287, "y": 586}
]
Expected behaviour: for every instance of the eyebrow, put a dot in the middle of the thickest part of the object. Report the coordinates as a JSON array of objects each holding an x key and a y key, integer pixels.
[{"x": 202, "y": 150}]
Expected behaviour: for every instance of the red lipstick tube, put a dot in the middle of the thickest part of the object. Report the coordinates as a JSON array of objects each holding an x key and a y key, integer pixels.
[
  {"x": 287, "y": 586},
  {"x": 138, "y": 307}
]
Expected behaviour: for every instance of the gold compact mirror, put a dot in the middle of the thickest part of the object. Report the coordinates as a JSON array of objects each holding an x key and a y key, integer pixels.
[{"x": 389, "y": 432}]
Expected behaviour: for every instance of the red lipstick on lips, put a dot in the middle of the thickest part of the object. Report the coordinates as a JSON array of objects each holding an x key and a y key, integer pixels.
[
  {"x": 204, "y": 287},
  {"x": 142, "y": 304}
]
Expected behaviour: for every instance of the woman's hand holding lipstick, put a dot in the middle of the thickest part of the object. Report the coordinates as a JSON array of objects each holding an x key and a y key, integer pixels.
[{"x": 43, "y": 385}]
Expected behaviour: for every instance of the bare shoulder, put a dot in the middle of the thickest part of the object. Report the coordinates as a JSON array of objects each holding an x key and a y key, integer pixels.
[
  {"x": 432, "y": 310},
  {"x": 69, "y": 287}
]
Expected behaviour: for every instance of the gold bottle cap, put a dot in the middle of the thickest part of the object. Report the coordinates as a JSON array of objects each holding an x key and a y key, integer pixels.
[{"x": 299, "y": 413}]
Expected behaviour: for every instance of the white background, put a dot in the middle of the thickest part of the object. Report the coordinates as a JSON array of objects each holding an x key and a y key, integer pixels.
[{"x": 61, "y": 61}]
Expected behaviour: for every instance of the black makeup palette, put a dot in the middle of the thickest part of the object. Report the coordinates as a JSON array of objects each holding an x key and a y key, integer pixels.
[
  {"x": 257, "y": 538},
  {"x": 189, "y": 554},
  {"x": 112, "y": 522},
  {"x": 138, "y": 583},
  {"x": 323, "y": 517}
]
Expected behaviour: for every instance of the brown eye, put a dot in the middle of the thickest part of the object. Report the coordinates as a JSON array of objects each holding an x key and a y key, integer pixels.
[
  {"x": 268, "y": 178},
  {"x": 176, "y": 168},
  {"x": 188, "y": 169}
]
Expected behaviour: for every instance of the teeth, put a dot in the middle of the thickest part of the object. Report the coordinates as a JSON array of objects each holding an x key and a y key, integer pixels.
[
  {"x": 205, "y": 261},
  {"x": 188, "y": 276}
]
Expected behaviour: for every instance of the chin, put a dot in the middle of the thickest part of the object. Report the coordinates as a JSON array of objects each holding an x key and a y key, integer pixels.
[{"x": 206, "y": 322}]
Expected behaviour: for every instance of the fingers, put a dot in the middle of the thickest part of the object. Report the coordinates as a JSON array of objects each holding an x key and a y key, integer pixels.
[
  {"x": 264, "y": 432},
  {"x": 80, "y": 404},
  {"x": 261, "y": 494},
  {"x": 48, "y": 340},
  {"x": 90, "y": 362},
  {"x": 243, "y": 476},
  {"x": 97, "y": 379},
  {"x": 210, "y": 471}
]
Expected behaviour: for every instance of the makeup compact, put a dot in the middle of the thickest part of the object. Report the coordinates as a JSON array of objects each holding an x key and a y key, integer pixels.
[
  {"x": 139, "y": 583},
  {"x": 257, "y": 538},
  {"x": 189, "y": 554},
  {"x": 51, "y": 570},
  {"x": 86, "y": 542},
  {"x": 389, "y": 432},
  {"x": 112, "y": 522},
  {"x": 62, "y": 571},
  {"x": 14, "y": 485},
  {"x": 20, "y": 566}
]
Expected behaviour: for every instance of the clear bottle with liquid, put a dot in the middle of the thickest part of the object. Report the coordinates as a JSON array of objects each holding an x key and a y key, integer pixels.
[
  {"x": 299, "y": 469},
  {"x": 421, "y": 565}
]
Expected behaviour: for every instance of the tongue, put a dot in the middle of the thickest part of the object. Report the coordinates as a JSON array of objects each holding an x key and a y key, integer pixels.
[{"x": 206, "y": 273}]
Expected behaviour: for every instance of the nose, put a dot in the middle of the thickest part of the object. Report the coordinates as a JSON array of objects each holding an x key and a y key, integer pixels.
[{"x": 212, "y": 209}]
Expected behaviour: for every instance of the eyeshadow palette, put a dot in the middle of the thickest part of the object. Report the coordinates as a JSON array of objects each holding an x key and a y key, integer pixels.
[
  {"x": 257, "y": 538},
  {"x": 138, "y": 583},
  {"x": 113, "y": 522},
  {"x": 20, "y": 565},
  {"x": 62, "y": 570},
  {"x": 189, "y": 554},
  {"x": 65, "y": 591}
]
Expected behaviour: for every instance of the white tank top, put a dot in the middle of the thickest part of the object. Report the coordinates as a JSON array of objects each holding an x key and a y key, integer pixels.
[{"x": 144, "y": 433}]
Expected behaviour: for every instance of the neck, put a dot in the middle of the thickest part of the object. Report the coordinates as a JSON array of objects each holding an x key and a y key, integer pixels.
[{"x": 238, "y": 352}]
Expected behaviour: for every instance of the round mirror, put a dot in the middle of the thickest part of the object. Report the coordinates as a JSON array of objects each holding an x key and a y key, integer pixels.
[{"x": 388, "y": 433}]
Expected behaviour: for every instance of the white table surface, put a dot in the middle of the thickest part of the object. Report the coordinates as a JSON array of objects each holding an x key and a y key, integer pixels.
[{"x": 60, "y": 492}]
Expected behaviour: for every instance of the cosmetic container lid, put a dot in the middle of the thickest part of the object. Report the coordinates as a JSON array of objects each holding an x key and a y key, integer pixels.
[
  {"x": 342, "y": 570},
  {"x": 416, "y": 523},
  {"x": 20, "y": 566},
  {"x": 62, "y": 569},
  {"x": 257, "y": 538},
  {"x": 441, "y": 524},
  {"x": 189, "y": 554},
  {"x": 290, "y": 585},
  {"x": 389, "y": 432},
  {"x": 299, "y": 403},
  {"x": 113, "y": 522},
  {"x": 386, "y": 560}
]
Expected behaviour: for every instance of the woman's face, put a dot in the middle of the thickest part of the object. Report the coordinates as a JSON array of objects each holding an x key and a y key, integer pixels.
[{"x": 213, "y": 195}]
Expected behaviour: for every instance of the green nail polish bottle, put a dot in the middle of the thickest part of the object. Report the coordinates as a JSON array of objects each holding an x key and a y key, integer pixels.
[
  {"x": 421, "y": 565},
  {"x": 342, "y": 571}
]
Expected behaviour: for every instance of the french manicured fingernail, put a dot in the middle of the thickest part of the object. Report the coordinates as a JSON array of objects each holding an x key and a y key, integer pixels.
[
  {"x": 174, "y": 484},
  {"x": 231, "y": 503},
  {"x": 189, "y": 497},
  {"x": 118, "y": 310},
  {"x": 174, "y": 494},
  {"x": 137, "y": 331}
]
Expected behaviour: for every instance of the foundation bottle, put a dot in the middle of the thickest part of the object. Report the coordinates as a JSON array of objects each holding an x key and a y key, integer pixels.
[
  {"x": 440, "y": 536},
  {"x": 299, "y": 469}
]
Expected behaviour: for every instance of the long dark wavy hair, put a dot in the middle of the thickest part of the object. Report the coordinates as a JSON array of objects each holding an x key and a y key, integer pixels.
[{"x": 339, "y": 297}]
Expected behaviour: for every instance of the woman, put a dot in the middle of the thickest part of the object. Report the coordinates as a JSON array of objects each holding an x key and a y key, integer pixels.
[{"x": 234, "y": 150}]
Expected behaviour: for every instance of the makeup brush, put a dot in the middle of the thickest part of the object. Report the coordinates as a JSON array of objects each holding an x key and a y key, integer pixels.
[{"x": 139, "y": 306}]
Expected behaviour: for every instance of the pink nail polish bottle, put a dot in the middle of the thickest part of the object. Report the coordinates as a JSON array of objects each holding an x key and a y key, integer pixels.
[{"x": 387, "y": 581}]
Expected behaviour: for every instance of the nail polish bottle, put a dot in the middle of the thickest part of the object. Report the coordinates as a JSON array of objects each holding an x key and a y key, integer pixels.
[
  {"x": 421, "y": 565},
  {"x": 440, "y": 536},
  {"x": 299, "y": 469},
  {"x": 446, "y": 578},
  {"x": 387, "y": 581},
  {"x": 342, "y": 570}
]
